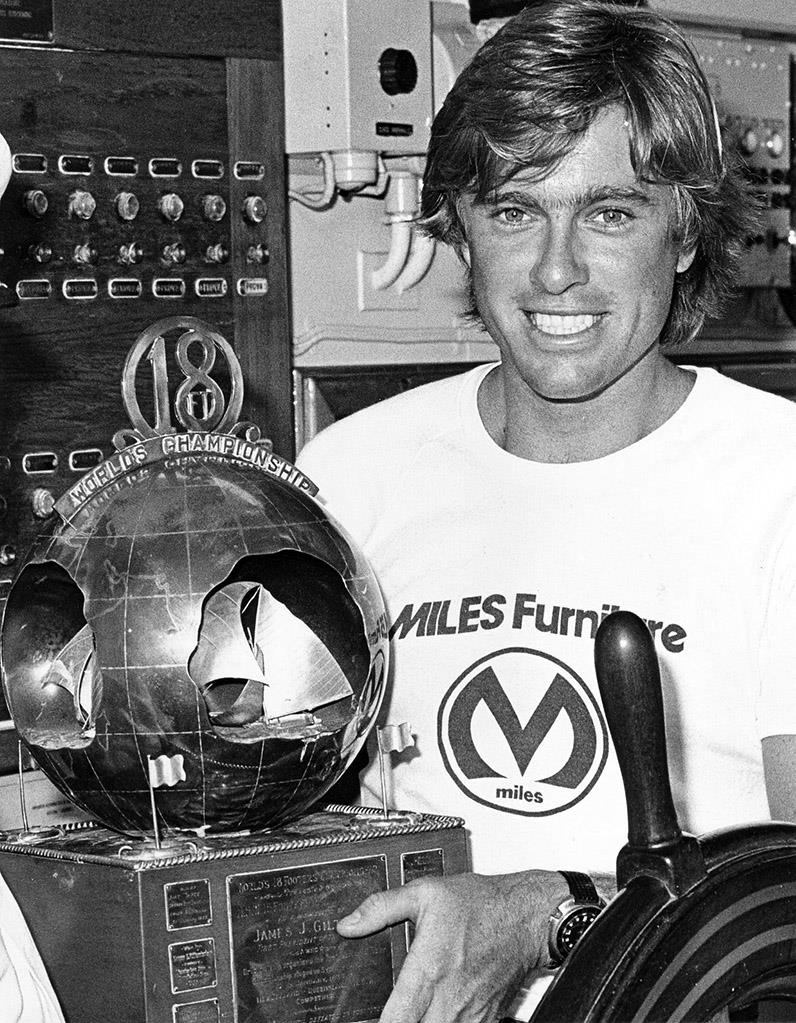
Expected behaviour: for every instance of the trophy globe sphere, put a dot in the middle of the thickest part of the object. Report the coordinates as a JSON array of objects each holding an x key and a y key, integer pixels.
[{"x": 196, "y": 621}]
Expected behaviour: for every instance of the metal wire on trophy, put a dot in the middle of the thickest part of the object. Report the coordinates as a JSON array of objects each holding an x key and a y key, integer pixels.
[{"x": 391, "y": 739}]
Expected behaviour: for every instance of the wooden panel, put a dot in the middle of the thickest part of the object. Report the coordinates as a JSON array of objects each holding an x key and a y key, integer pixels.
[
  {"x": 62, "y": 360},
  {"x": 246, "y": 28},
  {"x": 256, "y": 126}
]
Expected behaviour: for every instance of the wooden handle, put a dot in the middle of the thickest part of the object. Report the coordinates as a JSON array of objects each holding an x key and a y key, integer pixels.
[{"x": 630, "y": 684}]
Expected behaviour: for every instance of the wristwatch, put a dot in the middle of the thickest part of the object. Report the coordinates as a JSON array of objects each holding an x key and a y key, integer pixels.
[{"x": 572, "y": 916}]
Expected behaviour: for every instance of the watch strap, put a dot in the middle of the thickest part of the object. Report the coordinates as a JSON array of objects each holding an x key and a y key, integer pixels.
[{"x": 581, "y": 888}]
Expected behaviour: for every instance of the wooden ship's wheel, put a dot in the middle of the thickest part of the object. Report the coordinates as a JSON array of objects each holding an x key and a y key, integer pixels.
[{"x": 701, "y": 928}]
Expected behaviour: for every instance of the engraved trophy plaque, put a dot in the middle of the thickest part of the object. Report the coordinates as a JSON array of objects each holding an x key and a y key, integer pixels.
[{"x": 194, "y": 653}]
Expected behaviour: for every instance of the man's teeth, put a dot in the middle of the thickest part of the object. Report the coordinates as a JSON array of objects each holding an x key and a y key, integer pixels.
[{"x": 549, "y": 323}]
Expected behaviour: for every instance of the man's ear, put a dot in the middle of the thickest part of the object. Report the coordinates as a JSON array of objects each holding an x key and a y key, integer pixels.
[{"x": 685, "y": 259}]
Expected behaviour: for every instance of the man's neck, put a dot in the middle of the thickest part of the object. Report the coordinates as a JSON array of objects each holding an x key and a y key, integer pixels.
[{"x": 529, "y": 427}]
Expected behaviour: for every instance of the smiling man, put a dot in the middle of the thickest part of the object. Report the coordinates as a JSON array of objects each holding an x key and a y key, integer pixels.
[
  {"x": 578, "y": 171},
  {"x": 572, "y": 276}
]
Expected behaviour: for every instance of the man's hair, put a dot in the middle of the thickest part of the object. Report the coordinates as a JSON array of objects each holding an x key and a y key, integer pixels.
[{"x": 533, "y": 90}]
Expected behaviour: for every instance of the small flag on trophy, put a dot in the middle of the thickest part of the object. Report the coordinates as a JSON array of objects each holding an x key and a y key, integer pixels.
[
  {"x": 163, "y": 770},
  {"x": 395, "y": 738},
  {"x": 391, "y": 739}
]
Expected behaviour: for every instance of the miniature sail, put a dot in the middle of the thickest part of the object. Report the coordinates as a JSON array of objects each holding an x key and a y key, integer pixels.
[
  {"x": 300, "y": 672},
  {"x": 248, "y": 634},
  {"x": 224, "y": 650},
  {"x": 75, "y": 669}
]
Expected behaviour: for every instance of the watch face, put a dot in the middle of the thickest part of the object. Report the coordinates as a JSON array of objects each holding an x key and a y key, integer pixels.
[{"x": 574, "y": 926}]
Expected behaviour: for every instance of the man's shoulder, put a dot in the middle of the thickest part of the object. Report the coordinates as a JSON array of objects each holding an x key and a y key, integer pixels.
[
  {"x": 750, "y": 409},
  {"x": 745, "y": 430},
  {"x": 361, "y": 462}
]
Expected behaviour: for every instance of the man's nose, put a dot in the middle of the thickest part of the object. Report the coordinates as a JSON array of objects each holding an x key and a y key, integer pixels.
[{"x": 561, "y": 261}]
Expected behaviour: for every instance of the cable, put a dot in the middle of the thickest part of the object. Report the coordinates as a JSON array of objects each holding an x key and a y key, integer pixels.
[{"x": 326, "y": 196}]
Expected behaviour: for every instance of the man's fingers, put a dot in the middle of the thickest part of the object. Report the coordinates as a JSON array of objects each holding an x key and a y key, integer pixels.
[
  {"x": 411, "y": 996},
  {"x": 378, "y": 911},
  {"x": 421, "y": 995}
]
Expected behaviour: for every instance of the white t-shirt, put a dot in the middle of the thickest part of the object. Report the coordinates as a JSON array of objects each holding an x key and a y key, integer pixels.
[
  {"x": 496, "y": 571},
  {"x": 26, "y": 995}
]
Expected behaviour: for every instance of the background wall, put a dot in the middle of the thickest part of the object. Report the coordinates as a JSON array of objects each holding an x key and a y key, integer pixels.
[{"x": 768, "y": 15}]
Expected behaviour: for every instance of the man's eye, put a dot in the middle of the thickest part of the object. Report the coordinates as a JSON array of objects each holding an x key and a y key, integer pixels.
[
  {"x": 612, "y": 217},
  {"x": 512, "y": 215}
]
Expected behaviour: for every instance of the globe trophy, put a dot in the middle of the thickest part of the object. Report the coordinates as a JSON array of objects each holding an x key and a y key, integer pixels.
[{"x": 194, "y": 653}]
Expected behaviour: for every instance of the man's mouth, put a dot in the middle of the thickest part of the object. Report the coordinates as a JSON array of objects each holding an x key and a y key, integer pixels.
[{"x": 560, "y": 324}]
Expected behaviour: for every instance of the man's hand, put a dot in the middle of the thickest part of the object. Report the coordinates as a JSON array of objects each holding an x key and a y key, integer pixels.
[{"x": 476, "y": 936}]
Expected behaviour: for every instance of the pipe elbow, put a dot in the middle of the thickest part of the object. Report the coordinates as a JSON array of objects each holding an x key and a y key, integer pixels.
[
  {"x": 421, "y": 257},
  {"x": 400, "y": 241}
]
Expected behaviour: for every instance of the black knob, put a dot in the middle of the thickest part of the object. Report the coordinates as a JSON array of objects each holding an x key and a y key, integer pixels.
[
  {"x": 630, "y": 685},
  {"x": 397, "y": 71}
]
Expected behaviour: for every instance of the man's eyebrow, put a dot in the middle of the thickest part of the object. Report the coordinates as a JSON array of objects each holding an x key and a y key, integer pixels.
[{"x": 576, "y": 200}]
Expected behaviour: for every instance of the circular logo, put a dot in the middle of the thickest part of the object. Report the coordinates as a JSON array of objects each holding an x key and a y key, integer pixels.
[{"x": 520, "y": 731}]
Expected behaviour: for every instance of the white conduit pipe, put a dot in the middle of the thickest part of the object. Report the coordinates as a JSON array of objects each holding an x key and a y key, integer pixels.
[
  {"x": 5, "y": 164},
  {"x": 324, "y": 199},
  {"x": 417, "y": 266},
  {"x": 400, "y": 241}
]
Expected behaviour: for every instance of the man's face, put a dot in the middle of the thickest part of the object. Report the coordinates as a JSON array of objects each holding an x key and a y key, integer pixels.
[{"x": 573, "y": 274}]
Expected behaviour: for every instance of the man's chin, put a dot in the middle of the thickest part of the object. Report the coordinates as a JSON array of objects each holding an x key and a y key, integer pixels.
[{"x": 562, "y": 392}]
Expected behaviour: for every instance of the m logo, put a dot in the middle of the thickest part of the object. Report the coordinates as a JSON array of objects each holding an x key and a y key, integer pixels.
[{"x": 520, "y": 731}]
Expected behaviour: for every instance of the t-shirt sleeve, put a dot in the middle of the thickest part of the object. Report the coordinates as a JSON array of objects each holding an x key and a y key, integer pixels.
[
  {"x": 337, "y": 462},
  {"x": 776, "y": 705},
  {"x": 319, "y": 459}
]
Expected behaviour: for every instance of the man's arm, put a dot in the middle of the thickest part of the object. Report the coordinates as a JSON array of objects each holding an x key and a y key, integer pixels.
[
  {"x": 476, "y": 938},
  {"x": 779, "y": 763}
]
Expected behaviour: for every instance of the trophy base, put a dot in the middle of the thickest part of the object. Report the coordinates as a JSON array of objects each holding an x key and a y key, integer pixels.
[{"x": 227, "y": 929}]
